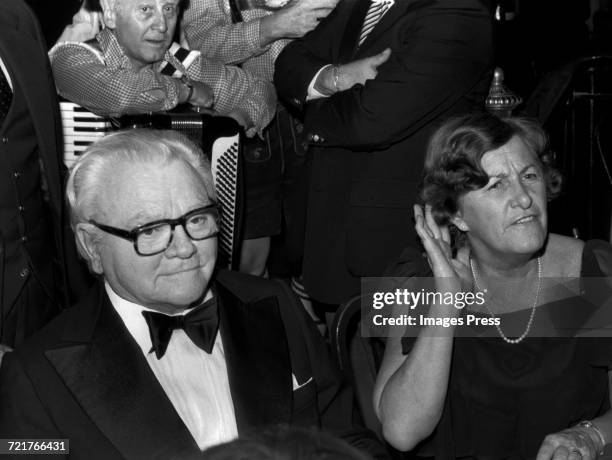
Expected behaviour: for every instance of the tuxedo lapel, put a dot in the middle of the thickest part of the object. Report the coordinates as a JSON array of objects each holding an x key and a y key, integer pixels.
[
  {"x": 105, "y": 371},
  {"x": 257, "y": 359}
]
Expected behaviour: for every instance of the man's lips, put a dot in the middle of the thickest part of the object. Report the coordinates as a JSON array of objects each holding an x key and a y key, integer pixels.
[
  {"x": 154, "y": 42},
  {"x": 182, "y": 270},
  {"x": 525, "y": 219}
]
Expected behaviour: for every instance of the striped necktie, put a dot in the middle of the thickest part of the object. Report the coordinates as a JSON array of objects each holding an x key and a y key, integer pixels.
[{"x": 376, "y": 11}]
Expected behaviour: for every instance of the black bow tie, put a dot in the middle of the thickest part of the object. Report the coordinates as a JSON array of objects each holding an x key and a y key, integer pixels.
[{"x": 200, "y": 325}]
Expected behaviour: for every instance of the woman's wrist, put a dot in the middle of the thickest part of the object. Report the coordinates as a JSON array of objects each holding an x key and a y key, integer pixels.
[{"x": 595, "y": 434}]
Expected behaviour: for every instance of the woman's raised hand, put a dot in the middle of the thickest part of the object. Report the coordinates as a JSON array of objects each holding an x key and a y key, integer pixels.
[{"x": 437, "y": 244}]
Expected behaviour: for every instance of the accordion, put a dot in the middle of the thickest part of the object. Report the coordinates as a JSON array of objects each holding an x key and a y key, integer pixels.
[{"x": 219, "y": 138}]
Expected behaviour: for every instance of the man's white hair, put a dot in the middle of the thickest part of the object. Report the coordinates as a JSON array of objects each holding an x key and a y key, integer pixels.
[{"x": 102, "y": 159}]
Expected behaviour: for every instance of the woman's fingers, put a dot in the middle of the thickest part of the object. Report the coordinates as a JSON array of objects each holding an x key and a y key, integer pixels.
[
  {"x": 431, "y": 223},
  {"x": 445, "y": 234},
  {"x": 463, "y": 255}
]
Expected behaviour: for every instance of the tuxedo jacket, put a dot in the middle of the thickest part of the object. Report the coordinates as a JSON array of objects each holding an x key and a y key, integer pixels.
[
  {"x": 83, "y": 377},
  {"x": 368, "y": 143},
  {"x": 24, "y": 53}
]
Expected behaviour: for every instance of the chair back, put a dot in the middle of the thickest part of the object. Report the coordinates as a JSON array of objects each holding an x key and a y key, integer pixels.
[{"x": 358, "y": 357}]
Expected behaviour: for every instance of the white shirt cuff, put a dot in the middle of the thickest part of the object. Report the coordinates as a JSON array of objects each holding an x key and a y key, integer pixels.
[{"x": 312, "y": 92}]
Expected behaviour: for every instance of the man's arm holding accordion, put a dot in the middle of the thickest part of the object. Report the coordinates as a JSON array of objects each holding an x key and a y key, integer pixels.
[{"x": 83, "y": 77}]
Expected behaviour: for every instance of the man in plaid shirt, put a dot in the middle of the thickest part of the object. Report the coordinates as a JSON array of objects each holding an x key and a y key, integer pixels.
[
  {"x": 252, "y": 33},
  {"x": 124, "y": 69}
]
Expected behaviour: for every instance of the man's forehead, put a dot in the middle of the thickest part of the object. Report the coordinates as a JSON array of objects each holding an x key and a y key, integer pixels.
[
  {"x": 131, "y": 3},
  {"x": 153, "y": 190}
]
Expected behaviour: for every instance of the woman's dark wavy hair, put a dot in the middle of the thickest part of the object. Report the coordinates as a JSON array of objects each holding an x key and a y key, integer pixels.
[{"x": 453, "y": 161}]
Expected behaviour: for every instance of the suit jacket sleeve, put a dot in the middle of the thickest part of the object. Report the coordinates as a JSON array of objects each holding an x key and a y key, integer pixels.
[
  {"x": 22, "y": 414},
  {"x": 334, "y": 397},
  {"x": 439, "y": 53}
]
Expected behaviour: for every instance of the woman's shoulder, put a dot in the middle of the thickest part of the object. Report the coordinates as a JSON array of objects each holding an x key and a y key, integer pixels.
[
  {"x": 571, "y": 257},
  {"x": 563, "y": 256}
]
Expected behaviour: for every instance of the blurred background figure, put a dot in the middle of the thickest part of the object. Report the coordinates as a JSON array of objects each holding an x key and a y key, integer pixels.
[
  {"x": 36, "y": 251},
  {"x": 372, "y": 81},
  {"x": 252, "y": 34}
]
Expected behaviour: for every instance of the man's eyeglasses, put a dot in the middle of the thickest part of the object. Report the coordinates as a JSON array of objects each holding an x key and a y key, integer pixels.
[{"x": 155, "y": 237}]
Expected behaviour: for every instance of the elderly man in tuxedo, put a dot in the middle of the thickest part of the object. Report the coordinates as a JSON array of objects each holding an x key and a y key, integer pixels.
[{"x": 166, "y": 356}]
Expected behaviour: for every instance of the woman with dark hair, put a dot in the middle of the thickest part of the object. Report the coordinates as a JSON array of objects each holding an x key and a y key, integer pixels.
[{"x": 518, "y": 393}]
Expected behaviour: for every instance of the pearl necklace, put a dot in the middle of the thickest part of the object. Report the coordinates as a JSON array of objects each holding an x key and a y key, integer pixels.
[{"x": 533, "y": 308}]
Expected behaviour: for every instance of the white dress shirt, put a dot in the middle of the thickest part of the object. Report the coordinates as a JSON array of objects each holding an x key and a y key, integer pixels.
[
  {"x": 195, "y": 382},
  {"x": 4, "y": 70}
]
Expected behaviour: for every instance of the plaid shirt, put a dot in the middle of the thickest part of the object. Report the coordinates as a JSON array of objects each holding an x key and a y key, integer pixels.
[
  {"x": 106, "y": 83},
  {"x": 207, "y": 26}
]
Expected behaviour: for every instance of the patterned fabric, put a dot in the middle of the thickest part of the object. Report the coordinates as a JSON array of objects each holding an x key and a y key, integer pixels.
[
  {"x": 377, "y": 10},
  {"x": 207, "y": 26},
  {"x": 105, "y": 82},
  {"x": 6, "y": 97}
]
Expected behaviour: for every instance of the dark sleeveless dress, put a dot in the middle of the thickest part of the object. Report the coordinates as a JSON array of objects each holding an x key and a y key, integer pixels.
[{"x": 503, "y": 399}]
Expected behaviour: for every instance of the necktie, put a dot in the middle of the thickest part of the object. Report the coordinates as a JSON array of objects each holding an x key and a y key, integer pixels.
[
  {"x": 200, "y": 325},
  {"x": 377, "y": 10},
  {"x": 6, "y": 97}
]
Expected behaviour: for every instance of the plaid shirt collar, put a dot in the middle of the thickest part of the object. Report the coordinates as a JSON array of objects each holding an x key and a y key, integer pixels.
[{"x": 114, "y": 55}]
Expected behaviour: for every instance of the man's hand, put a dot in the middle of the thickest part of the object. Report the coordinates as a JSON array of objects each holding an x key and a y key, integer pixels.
[
  {"x": 245, "y": 121},
  {"x": 85, "y": 26},
  {"x": 358, "y": 72},
  {"x": 351, "y": 74},
  {"x": 295, "y": 20},
  {"x": 201, "y": 96}
]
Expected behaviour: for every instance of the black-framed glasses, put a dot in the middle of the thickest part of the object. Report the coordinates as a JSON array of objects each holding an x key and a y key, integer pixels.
[{"x": 155, "y": 237}]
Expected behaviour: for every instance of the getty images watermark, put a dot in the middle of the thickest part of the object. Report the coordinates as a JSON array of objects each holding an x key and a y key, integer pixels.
[
  {"x": 411, "y": 300},
  {"x": 569, "y": 307}
]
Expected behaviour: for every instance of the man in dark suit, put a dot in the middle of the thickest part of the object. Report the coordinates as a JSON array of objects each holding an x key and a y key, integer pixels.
[
  {"x": 165, "y": 358},
  {"x": 372, "y": 79},
  {"x": 32, "y": 250}
]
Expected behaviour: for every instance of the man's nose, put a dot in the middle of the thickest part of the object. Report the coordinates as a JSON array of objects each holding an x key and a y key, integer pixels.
[
  {"x": 161, "y": 22},
  {"x": 181, "y": 246}
]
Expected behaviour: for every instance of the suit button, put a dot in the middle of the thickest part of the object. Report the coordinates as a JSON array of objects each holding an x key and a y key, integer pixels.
[
  {"x": 296, "y": 101},
  {"x": 21, "y": 208},
  {"x": 24, "y": 272},
  {"x": 16, "y": 175},
  {"x": 24, "y": 239},
  {"x": 315, "y": 137},
  {"x": 5, "y": 140}
]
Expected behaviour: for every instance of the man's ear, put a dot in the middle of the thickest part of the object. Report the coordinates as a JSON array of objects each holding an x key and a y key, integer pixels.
[
  {"x": 458, "y": 222},
  {"x": 109, "y": 12},
  {"x": 88, "y": 245}
]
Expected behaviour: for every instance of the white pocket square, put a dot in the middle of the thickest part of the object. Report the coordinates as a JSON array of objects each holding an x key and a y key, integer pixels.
[{"x": 296, "y": 385}]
